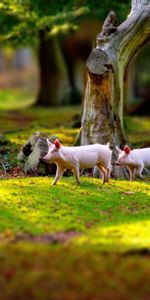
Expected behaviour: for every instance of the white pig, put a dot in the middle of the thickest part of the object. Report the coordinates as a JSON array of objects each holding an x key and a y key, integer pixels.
[
  {"x": 135, "y": 160},
  {"x": 79, "y": 157}
]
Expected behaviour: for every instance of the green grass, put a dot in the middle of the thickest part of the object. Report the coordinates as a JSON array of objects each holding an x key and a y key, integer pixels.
[{"x": 115, "y": 215}]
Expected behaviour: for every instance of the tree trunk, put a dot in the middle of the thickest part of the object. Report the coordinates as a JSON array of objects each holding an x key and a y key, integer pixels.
[
  {"x": 54, "y": 85},
  {"x": 102, "y": 118}
]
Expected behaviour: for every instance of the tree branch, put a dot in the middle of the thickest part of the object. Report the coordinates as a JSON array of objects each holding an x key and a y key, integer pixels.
[{"x": 134, "y": 32}]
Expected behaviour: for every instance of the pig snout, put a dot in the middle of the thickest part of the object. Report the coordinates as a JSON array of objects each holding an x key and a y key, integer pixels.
[
  {"x": 45, "y": 158},
  {"x": 115, "y": 163}
]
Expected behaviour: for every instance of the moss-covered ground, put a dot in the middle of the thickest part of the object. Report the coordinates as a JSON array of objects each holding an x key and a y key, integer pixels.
[{"x": 69, "y": 242}]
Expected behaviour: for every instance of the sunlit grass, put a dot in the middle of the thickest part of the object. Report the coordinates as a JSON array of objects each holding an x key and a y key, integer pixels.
[
  {"x": 66, "y": 135},
  {"x": 113, "y": 216},
  {"x": 120, "y": 237}
]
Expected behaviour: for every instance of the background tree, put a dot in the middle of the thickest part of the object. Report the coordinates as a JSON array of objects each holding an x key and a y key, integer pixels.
[
  {"x": 42, "y": 23},
  {"x": 102, "y": 118}
]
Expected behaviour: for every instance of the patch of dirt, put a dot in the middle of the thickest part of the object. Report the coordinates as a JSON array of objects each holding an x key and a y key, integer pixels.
[
  {"x": 53, "y": 238},
  {"x": 14, "y": 172}
]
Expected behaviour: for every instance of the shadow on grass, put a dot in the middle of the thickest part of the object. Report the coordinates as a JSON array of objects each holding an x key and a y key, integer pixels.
[{"x": 51, "y": 273}]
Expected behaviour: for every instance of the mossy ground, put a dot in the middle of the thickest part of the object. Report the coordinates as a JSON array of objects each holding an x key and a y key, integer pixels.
[
  {"x": 110, "y": 221},
  {"x": 114, "y": 216},
  {"x": 108, "y": 257}
]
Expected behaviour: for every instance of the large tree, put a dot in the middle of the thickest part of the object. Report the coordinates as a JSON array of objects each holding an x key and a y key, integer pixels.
[{"x": 102, "y": 118}]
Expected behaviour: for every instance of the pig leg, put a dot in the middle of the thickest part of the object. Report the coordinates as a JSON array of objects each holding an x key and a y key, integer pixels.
[
  {"x": 139, "y": 171},
  {"x": 103, "y": 172},
  {"x": 59, "y": 173},
  {"x": 134, "y": 173},
  {"x": 131, "y": 173},
  {"x": 108, "y": 170},
  {"x": 77, "y": 174}
]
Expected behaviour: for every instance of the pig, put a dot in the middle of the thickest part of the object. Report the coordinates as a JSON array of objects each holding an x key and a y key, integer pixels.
[
  {"x": 79, "y": 157},
  {"x": 135, "y": 160}
]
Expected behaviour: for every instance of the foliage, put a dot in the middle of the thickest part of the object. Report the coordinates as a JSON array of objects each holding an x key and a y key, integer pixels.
[
  {"x": 25, "y": 19},
  {"x": 21, "y": 21}
]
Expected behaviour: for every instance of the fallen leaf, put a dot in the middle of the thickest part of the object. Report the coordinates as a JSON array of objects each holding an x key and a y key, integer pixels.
[{"x": 128, "y": 193}]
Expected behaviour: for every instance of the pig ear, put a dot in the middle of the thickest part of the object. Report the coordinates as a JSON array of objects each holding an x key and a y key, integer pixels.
[
  {"x": 118, "y": 149},
  {"x": 127, "y": 149},
  {"x": 57, "y": 144}
]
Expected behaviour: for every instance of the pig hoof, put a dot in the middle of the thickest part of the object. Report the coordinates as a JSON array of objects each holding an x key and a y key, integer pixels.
[{"x": 104, "y": 181}]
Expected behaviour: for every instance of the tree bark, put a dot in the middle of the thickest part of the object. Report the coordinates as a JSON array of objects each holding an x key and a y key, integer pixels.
[
  {"x": 102, "y": 118},
  {"x": 53, "y": 80}
]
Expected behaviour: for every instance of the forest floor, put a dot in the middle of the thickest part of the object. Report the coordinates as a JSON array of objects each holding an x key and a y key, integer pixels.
[{"x": 69, "y": 242}]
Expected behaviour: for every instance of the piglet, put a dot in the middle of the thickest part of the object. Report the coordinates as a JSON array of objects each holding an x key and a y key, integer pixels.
[
  {"x": 79, "y": 157},
  {"x": 135, "y": 160}
]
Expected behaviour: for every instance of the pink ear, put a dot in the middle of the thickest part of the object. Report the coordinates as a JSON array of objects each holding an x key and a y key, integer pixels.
[
  {"x": 127, "y": 149},
  {"x": 57, "y": 144}
]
